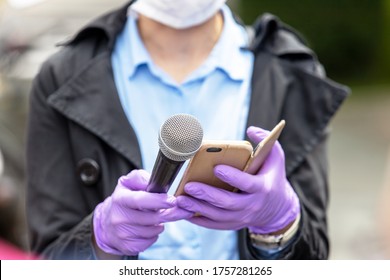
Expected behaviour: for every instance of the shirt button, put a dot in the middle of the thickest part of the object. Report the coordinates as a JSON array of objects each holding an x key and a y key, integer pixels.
[{"x": 89, "y": 171}]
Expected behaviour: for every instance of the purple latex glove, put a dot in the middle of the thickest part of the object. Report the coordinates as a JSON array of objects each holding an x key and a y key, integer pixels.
[
  {"x": 266, "y": 202},
  {"x": 130, "y": 220}
]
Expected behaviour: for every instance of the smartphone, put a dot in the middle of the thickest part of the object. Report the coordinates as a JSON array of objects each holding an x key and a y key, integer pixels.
[
  {"x": 262, "y": 149},
  {"x": 239, "y": 154},
  {"x": 211, "y": 153}
]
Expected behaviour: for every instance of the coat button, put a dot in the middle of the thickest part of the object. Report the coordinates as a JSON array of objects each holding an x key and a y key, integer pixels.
[{"x": 89, "y": 171}]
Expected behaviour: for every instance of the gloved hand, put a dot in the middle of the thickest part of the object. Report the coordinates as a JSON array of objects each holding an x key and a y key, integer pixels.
[
  {"x": 266, "y": 202},
  {"x": 130, "y": 220}
]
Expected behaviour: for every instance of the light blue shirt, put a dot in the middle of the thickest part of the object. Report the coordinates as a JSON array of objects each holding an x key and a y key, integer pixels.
[{"x": 217, "y": 94}]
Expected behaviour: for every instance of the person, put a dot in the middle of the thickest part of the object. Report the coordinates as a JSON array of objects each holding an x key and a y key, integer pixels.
[{"x": 95, "y": 112}]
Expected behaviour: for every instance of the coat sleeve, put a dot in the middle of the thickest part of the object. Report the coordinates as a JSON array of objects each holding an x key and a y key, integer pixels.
[
  {"x": 310, "y": 100},
  {"x": 54, "y": 201},
  {"x": 310, "y": 182},
  {"x": 59, "y": 217}
]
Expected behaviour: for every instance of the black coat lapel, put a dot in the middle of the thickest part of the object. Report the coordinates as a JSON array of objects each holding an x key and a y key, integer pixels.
[
  {"x": 91, "y": 100},
  {"x": 284, "y": 86}
]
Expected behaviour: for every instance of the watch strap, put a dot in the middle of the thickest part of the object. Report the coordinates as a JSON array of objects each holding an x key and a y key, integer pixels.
[{"x": 269, "y": 241}]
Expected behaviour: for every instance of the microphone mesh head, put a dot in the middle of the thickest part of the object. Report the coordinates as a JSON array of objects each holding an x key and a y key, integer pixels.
[{"x": 180, "y": 137}]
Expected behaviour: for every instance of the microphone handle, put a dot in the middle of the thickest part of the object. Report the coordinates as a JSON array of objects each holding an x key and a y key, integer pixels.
[{"x": 164, "y": 173}]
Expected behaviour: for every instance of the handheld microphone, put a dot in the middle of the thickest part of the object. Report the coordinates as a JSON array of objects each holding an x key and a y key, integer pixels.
[{"x": 179, "y": 139}]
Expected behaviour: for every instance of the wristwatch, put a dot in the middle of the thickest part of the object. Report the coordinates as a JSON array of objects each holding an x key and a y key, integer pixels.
[{"x": 270, "y": 242}]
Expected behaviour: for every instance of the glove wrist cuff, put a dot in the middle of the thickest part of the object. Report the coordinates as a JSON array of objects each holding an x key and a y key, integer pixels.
[{"x": 98, "y": 233}]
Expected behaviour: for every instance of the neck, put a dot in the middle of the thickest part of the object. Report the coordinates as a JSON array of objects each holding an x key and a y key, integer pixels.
[{"x": 179, "y": 51}]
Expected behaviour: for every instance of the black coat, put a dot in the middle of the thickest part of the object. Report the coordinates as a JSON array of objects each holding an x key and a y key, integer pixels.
[{"x": 80, "y": 141}]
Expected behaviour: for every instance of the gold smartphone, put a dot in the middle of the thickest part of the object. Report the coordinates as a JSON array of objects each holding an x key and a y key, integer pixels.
[
  {"x": 262, "y": 149},
  {"x": 239, "y": 154}
]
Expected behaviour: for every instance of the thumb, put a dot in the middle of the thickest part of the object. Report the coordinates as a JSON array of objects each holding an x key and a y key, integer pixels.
[
  {"x": 256, "y": 134},
  {"x": 136, "y": 180}
]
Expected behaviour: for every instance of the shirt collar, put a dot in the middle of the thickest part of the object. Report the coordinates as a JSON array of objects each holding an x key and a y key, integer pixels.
[
  {"x": 226, "y": 54},
  {"x": 138, "y": 53},
  {"x": 231, "y": 47}
]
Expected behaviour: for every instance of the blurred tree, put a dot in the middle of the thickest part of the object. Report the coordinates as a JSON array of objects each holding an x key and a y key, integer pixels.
[
  {"x": 384, "y": 52},
  {"x": 346, "y": 34}
]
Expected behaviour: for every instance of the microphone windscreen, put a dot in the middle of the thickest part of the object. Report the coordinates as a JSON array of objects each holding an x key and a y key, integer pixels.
[{"x": 180, "y": 137}]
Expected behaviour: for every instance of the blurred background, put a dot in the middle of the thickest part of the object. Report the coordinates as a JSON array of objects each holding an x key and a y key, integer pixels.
[{"x": 351, "y": 39}]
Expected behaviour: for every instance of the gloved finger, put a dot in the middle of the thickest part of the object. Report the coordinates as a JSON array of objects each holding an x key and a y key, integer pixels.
[
  {"x": 132, "y": 217},
  {"x": 256, "y": 134},
  {"x": 143, "y": 200},
  {"x": 133, "y": 247},
  {"x": 203, "y": 208},
  {"x": 136, "y": 180},
  {"x": 215, "y": 196},
  {"x": 211, "y": 224},
  {"x": 140, "y": 232},
  {"x": 275, "y": 161},
  {"x": 174, "y": 214},
  {"x": 243, "y": 181}
]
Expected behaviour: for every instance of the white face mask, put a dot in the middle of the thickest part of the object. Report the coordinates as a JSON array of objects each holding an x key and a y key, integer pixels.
[{"x": 179, "y": 14}]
